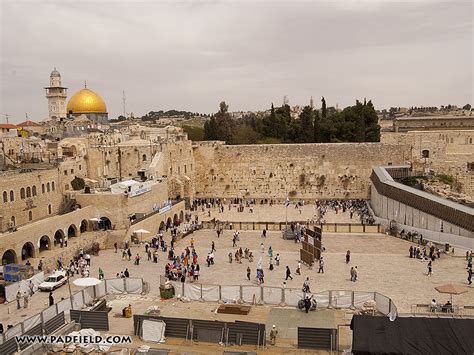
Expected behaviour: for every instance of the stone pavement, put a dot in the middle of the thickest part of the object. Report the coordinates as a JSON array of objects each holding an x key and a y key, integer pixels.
[{"x": 383, "y": 266}]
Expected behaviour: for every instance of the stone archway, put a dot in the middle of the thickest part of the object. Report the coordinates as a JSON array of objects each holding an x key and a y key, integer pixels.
[
  {"x": 175, "y": 219},
  {"x": 9, "y": 257},
  {"x": 162, "y": 226},
  {"x": 169, "y": 223},
  {"x": 44, "y": 243},
  {"x": 59, "y": 238},
  {"x": 72, "y": 231},
  {"x": 105, "y": 223},
  {"x": 181, "y": 216},
  {"x": 83, "y": 227},
  {"x": 27, "y": 251}
]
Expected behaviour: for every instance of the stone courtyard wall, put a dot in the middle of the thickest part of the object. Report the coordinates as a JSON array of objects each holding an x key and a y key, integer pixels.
[{"x": 306, "y": 171}]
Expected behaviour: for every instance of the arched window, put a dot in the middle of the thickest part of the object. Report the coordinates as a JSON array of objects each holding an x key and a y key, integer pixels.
[
  {"x": 22, "y": 193},
  {"x": 13, "y": 219},
  {"x": 43, "y": 190},
  {"x": 12, "y": 196},
  {"x": 48, "y": 188},
  {"x": 49, "y": 209},
  {"x": 28, "y": 191},
  {"x": 34, "y": 190},
  {"x": 52, "y": 186},
  {"x": 425, "y": 153},
  {"x": 30, "y": 215},
  {"x": 5, "y": 196},
  {"x": 144, "y": 157}
]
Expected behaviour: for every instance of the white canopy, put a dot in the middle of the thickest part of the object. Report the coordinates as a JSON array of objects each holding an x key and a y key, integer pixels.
[
  {"x": 94, "y": 219},
  {"x": 86, "y": 281},
  {"x": 141, "y": 231}
]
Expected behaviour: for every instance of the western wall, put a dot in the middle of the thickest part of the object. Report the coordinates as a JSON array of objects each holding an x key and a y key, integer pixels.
[{"x": 306, "y": 171}]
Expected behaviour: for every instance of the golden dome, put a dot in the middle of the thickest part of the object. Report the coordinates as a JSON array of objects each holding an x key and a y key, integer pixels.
[{"x": 85, "y": 101}]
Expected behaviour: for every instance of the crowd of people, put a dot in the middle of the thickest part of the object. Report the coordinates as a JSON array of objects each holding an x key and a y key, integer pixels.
[{"x": 356, "y": 208}]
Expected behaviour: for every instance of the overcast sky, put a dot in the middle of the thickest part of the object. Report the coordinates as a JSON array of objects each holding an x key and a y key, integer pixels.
[{"x": 193, "y": 54}]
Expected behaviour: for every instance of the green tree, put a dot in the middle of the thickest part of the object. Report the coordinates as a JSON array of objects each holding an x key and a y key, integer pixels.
[
  {"x": 195, "y": 133},
  {"x": 323, "y": 107},
  {"x": 306, "y": 122},
  {"x": 244, "y": 134},
  {"x": 78, "y": 183}
]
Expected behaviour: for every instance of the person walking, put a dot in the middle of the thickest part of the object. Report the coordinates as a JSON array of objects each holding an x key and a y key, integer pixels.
[
  {"x": 213, "y": 247},
  {"x": 101, "y": 274},
  {"x": 273, "y": 335},
  {"x": 352, "y": 274},
  {"x": 321, "y": 265},
  {"x": 469, "y": 276},
  {"x": 116, "y": 247},
  {"x": 25, "y": 300},
  {"x": 298, "y": 269},
  {"x": 248, "y": 272},
  {"x": 430, "y": 269},
  {"x": 288, "y": 273},
  {"x": 348, "y": 256},
  {"x": 18, "y": 298},
  {"x": 277, "y": 259},
  {"x": 51, "y": 298}
]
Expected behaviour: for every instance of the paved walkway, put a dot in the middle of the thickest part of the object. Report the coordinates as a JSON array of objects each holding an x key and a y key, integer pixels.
[{"x": 382, "y": 261}]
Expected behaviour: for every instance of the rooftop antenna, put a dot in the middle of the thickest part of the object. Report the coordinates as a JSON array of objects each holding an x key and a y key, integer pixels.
[
  {"x": 123, "y": 103},
  {"x": 7, "y": 116},
  {"x": 85, "y": 84}
]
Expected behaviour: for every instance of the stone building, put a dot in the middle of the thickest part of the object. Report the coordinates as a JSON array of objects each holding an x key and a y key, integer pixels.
[
  {"x": 56, "y": 95},
  {"x": 449, "y": 152},
  {"x": 430, "y": 123},
  {"x": 28, "y": 196},
  {"x": 87, "y": 102}
]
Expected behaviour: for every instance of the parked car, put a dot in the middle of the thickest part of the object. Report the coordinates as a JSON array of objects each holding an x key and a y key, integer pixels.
[{"x": 53, "y": 281}]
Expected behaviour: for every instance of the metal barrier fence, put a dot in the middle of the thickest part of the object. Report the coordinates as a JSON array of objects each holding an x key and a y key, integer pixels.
[
  {"x": 283, "y": 296},
  {"x": 351, "y": 228},
  {"x": 281, "y": 226},
  {"x": 78, "y": 300}
]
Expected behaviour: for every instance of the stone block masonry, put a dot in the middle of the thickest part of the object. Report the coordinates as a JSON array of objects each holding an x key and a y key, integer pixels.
[{"x": 300, "y": 171}]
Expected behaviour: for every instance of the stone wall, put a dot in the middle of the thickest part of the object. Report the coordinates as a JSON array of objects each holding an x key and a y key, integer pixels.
[
  {"x": 118, "y": 207},
  {"x": 126, "y": 159},
  {"x": 449, "y": 152},
  {"x": 44, "y": 190},
  {"x": 307, "y": 171}
]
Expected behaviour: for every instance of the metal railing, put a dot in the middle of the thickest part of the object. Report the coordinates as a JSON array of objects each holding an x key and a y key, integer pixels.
[
  {"x": 77, "y": 301},
  {"x": 256, "y": 294}
]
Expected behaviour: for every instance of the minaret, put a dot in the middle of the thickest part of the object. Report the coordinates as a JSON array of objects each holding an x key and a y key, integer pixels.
[{"x": 56, "y": 95}]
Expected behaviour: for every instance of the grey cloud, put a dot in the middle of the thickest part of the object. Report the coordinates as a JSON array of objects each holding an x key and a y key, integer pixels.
[{"x": 190, "y": 55}]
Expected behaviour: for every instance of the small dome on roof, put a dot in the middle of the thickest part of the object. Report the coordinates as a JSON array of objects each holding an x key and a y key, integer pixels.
[{"x": 55, "y": 73}]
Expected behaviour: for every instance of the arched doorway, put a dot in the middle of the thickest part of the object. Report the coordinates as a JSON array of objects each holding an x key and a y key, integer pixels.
[
  {"x": 168, "y": 223},
  {"x": 44, "y": 243},
  {"x": 181, "y": 216},
  {"x": 175, "y": 219},
  {"x": 162, "y": 226},
  {"x": 105, "y": 223},
  {"x": 27, "y": 251},
  {"x": 59, "y": 238},
  {"x": 72, "y": 231},
  {"x": 9, "y": 257},
  {"x": 83, "y": 227}
]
